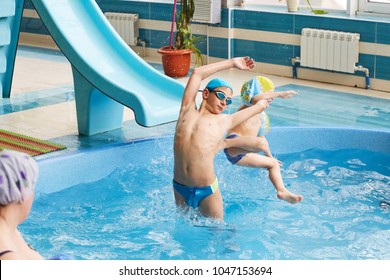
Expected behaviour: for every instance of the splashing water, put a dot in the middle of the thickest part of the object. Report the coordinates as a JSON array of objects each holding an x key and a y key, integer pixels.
[{"x": 131, "y": 214}]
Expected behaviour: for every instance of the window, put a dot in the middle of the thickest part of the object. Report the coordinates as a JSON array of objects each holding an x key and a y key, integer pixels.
[
  {"x": 316, "y": 4},
  {"x": 374, "y": 6}
]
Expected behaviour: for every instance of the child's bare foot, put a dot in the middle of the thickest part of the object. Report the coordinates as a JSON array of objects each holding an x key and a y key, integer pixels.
[{"x": 289, "y": 197}]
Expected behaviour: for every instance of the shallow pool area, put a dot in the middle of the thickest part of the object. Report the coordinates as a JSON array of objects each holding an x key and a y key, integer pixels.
[{"x": 116, "y": 202}]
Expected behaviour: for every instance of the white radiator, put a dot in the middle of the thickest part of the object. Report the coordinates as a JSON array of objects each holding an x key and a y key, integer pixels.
[
  {"x": 126, "y": 25},
  {"x": 208, "y": 11},
  {"x": 331, "y": 50}
]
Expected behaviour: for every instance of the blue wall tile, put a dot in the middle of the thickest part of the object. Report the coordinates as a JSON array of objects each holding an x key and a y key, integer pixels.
[
  {"x": 158, "y": 38},
  {"x": 263, "y": 21},
  {"x": 383, "y": 33},
  {"x": 382, "y": 70},
  {"x": 155, "y": 11},
  {"x": 141, "y": 8},
  {"x": 225, "y": 18},
  {"x": 218, "y": 47},
  {"x": 201, "y": 43},
  {"x": 280, "y": 54},
  {"x": 367, "y": 61},
  {"x": 28, "y": 5},
  {"x": 33, "y": 25}
]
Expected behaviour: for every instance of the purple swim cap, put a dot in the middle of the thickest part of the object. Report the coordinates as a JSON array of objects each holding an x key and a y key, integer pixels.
[{"x": 18, "y": 176}]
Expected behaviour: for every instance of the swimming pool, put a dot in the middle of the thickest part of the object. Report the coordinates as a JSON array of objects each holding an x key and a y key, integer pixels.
[{"x": 116, "y": 202}]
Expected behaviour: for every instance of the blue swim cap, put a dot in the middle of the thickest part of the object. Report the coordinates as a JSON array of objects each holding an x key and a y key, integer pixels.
[{"x": 214, "y": 83}]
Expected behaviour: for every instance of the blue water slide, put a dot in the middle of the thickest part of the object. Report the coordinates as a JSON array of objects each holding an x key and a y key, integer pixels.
[
  {"x": 107, "y": 74},
  {"x": 10, "y": 17}
]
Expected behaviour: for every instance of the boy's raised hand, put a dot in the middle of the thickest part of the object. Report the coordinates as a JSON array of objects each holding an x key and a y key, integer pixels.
[{"x": 244, "y": 63}]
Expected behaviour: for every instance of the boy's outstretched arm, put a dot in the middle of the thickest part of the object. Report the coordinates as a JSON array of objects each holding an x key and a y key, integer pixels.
[
  {"x": 243, "y": 115},
  {"x": 273, "y": 94},
  {"x": 201, "y": 73}
]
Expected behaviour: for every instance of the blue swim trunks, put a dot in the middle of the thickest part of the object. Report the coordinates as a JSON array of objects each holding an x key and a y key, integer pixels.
[
  {"x": 194, "y": 195},
  {"x": 236, "y": 158}
]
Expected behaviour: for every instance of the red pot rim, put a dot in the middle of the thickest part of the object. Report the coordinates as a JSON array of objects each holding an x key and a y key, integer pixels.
[{"x": 169, "y": 50}]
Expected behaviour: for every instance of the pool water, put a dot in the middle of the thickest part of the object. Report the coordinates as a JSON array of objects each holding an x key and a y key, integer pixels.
[
  {"x": 326, "y": 108},
  {"x": 130, "y": 213}
]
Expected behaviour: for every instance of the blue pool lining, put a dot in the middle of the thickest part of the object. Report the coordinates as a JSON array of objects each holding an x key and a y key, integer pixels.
[{"x": 106, "y": 158}]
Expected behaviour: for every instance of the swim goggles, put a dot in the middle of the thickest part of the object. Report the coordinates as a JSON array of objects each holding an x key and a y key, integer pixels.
[{"x": 222, "y": 96}]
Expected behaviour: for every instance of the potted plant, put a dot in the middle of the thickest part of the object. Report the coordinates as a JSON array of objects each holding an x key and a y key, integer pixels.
[{"x": 176, "y": 58}]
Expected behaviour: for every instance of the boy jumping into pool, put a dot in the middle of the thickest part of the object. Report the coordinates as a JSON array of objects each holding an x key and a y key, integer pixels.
[
  {"x": 246, "y": 139},
  {"x": 200, "y": 136}
]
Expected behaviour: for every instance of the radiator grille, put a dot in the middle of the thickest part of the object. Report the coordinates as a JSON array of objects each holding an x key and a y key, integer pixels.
[
  {"x": 126, "y": 25},
  {"x": 331, "y": 50}
]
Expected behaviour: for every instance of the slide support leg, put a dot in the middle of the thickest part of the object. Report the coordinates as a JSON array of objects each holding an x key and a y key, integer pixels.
[
  {"x": 96, "y": 112},
  {"x": 9, "y": 36}
]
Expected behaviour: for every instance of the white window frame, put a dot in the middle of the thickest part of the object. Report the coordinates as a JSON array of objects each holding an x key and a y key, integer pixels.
[
  {"x": 302, "y": 4},
  {"x": 372, "y": 7}
]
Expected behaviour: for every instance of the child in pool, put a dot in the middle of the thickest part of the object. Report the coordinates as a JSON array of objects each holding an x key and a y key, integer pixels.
[
  {"x": 199, "y": 136},
  {"x": 18, "y": 175},
  {"x": 245, "y": 139}
]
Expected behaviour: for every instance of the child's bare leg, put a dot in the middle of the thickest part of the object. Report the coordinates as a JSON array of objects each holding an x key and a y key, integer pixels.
[
  {"x": 245, "y": 144},
  {"x": 282, "y": 193},
  {"x": 263, "y": 145},
  {"x": 248, "y": 144},
  {"x": 179, "y": 200},
  {"x": 259, "y": 161},
  {"x": 212, "y": 206}
]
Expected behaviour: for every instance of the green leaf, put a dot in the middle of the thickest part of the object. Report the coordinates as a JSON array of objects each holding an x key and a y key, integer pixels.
[{"x": 319, "y": 12}]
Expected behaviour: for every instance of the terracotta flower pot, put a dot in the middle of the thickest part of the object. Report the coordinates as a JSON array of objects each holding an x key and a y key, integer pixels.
[{"x": 176, "y": 63}]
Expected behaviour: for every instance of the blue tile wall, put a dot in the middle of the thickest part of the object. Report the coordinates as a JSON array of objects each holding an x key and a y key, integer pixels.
[
  {"x": 367, "y": 61},
  {"x": 218, "y": 47},
  {"x": 382, "y": 68},
  {"x": 202, "y": 43},
  {"x": 28, "y": 4},
  {"x": 154, "y": 11},
  {"x": 263, "y": 21},
  {"x": 141, "y": 8},
  {"x": 155, "y": 38},
  {"x": 33, "y": 25},
  {"x": 225, "y": 18},
  {"x": 280, "y": 54},
  {"x": 383, "y": 33}
]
